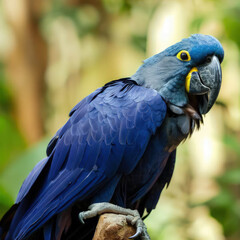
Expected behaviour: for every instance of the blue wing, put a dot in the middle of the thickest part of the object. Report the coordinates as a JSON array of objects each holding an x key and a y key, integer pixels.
[{"x": 104, "y": 138}]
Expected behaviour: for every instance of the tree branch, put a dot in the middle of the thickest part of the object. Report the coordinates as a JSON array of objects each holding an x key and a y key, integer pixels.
[{"x": 113, "y": 227}]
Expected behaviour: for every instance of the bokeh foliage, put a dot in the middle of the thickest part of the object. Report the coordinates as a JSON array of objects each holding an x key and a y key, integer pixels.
[
  {"x": 92, "y": 42},
  {"x": 225, "y": 206}
]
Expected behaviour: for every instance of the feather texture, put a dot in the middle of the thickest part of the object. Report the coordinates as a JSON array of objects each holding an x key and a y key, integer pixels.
[
  {"x": 101, "y": 142},
  {"x": 118, "y": 146}
]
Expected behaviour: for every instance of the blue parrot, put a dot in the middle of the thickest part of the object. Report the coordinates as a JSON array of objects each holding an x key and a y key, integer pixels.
[{"x": 117, "y": 150}]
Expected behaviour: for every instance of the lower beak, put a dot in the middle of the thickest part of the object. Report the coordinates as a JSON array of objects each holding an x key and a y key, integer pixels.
[{"x": 206, "y": 82}]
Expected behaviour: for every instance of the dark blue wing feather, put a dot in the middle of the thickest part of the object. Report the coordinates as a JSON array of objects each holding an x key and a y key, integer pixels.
[
  {"x": 105, "y": 137},
  {"x": 30, "y": 180}
]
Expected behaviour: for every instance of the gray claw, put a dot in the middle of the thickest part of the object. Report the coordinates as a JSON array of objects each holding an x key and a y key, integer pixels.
[
  {"x": 137, "y": 234},
  {"x": 81, "y": 217},
  {"x": 132, "y": 216}
]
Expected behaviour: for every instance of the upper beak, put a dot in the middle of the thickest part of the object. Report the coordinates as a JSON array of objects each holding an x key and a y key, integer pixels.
[{"x": 205, "y": 81}]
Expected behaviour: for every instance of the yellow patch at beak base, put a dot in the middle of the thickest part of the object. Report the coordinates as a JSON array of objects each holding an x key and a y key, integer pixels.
[{"x": 188, "y": 78}]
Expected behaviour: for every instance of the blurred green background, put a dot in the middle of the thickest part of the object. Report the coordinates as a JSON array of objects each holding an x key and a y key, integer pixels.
[{"x": 55, "y": 52}]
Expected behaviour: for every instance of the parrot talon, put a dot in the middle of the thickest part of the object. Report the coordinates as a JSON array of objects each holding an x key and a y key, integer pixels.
[
  {"x": 132, "y": 217},
  {"x": 141, "y": 230},
  {"x": 81, "y": 217},
  {"x": 137, "y": 234}
]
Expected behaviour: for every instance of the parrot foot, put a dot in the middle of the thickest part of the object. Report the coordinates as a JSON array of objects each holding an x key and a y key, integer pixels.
[{"x": 132, "y": 217}]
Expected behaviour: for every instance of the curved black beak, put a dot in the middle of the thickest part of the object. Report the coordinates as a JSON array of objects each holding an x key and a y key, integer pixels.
[{"x": 205, "y": 81}]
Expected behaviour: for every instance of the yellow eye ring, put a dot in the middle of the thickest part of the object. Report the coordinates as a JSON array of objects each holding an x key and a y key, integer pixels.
[{"x": 184, "y": 56}]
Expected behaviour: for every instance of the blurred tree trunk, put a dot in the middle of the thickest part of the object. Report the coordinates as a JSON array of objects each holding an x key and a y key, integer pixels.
[{"x": 26, "y": 66}]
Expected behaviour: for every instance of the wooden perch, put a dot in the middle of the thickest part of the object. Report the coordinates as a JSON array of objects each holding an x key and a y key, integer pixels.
[{"x": 113, "y": 227}]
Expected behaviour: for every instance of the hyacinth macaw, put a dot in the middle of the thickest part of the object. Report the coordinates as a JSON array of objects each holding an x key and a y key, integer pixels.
[{"x": 117, "y": 150}]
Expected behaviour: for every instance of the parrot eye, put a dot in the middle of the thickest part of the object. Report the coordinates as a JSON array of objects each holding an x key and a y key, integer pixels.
[
  {"x": 208, "y": 59},
  {"x": 184, "y": 56}
]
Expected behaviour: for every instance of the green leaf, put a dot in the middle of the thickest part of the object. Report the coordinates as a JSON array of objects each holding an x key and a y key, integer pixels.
[
  {"x": 231, "y": 177},
  {"x": 224, "y": 208},
  {"x": 232, "y": 142},
  {"x": 140, "y": 42},
  {"x": 11, "y": 142},
  {"x": 5, "y": 198},
  {"x": 13, "y": 176}
]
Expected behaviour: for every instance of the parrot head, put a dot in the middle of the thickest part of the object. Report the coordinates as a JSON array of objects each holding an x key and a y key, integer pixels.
[{"x": 187, "y": 73}]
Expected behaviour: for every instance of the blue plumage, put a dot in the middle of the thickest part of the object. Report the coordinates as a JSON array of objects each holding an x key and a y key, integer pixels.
[{"x": 117, "y": 146}]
